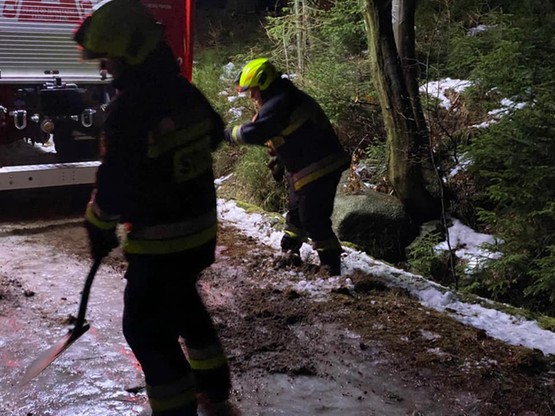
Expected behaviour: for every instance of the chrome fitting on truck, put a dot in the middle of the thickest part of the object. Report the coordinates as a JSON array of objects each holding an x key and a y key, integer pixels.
[
  {"x": 19, "y": 118},
  {"x": 87, "y": 117}
]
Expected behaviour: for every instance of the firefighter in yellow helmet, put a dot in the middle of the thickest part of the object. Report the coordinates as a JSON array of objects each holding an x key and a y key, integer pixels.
[
  {"x": 156, "y": 178},
  {"x": 301, "y": 137}
]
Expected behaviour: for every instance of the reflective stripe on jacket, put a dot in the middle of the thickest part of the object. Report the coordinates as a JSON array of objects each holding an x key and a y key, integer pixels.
[
  {"x": 156, "y": 176},
  {"x": 316, "y": 170},
  {"x": 184, "y": 146},
  {"x": 299, "y": 132},
  {"x": 171, "y": 237}
]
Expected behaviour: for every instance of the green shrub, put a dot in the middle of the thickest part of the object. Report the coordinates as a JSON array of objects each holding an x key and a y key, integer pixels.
[
  {"x": 372, "y": 166},
  {"x": 516, "y": 160},
  {"x": 422, "y": 258},
  {"x": 510, "y": 186},
  {"x": 343, "y": 31},
  {"x": 345, "y": 92},
  {"x": 207, "y": 75},
  {"x": 253, "y": 183}
]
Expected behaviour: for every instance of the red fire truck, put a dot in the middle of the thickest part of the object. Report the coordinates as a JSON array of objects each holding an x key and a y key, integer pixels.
[{"x": 47, "y": 92}]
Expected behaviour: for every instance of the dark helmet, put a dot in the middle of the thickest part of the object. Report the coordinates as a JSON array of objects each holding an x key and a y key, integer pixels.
[{"x": 119, "y": 29}]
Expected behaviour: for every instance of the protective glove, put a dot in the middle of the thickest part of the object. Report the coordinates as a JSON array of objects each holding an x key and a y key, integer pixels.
[
  {"x": 277, "y": 168},
  {"x": 228, "y": 136},
  {"x": 101, "y": 241},
  {"x": 231, "y": 138}
]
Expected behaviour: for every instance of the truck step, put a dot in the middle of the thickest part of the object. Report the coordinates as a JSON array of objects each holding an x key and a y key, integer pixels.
[{"x": 42, "y": 176}]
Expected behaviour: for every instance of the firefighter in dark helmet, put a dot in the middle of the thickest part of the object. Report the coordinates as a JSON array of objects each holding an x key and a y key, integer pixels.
[
  {"x": 156, "y": 178},
  {"x": 300, "y": 137}
]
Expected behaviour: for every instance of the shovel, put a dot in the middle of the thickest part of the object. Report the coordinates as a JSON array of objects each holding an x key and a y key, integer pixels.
[{"x": 47, "y": 357}]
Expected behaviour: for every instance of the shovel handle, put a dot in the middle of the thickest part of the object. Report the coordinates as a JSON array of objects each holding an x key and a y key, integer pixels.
[
  {"x": 86, "y": 292},
  {"x": 48, "y": 356}
]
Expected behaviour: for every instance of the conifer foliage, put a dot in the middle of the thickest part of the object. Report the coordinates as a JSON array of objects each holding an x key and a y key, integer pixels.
[
  {"x": 504, "y": 48},
  {"x": 515, "y": 159}
]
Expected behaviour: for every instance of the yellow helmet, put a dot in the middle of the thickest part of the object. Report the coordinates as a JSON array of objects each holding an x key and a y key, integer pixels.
[
  {"x": 257, "y": 73},
  {"x": 119, "y": 29}
]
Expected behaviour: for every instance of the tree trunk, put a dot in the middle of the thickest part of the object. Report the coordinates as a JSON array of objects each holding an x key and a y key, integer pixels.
[
  {"x": 404, "y": 38},
  {"x": 300, "y": 10},
  {"x": 404, "y": 141}
]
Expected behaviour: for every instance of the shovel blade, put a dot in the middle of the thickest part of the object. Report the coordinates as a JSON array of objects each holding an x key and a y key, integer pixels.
[{"x": 47, "y": 357}]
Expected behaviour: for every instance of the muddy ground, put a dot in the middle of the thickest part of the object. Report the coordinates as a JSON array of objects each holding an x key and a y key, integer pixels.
[{"x": 378, "y": 347}]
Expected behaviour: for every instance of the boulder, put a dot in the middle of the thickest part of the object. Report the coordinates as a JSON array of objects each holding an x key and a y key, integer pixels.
[{"x": 376, "y": 222}]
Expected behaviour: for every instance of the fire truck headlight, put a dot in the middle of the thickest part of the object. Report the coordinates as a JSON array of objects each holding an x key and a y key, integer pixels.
[{"x": 47, "y": 126}]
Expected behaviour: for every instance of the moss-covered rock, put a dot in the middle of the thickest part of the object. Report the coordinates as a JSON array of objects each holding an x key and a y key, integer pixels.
[{"x": 374, "y": 221}]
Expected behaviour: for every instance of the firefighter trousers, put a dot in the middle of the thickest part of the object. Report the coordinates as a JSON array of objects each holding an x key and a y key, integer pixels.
[
  {"x": 171, "y": 333},
  {"x": 309, "y": 214}
]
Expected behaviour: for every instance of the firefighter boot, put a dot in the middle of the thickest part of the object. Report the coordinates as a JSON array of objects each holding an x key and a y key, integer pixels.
[
  {"x": 291, "y": 245},
  {"x": 291, "y": 253},
  {"x": 185, "y": 411},
  {"x": 332, "y": 260},
  {"x": 209, "y": 408}
]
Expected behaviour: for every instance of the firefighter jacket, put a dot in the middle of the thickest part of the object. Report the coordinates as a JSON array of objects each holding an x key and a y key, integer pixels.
[
  {"x": 156, "y": 174},
  {"x": 298, "y": 131}
]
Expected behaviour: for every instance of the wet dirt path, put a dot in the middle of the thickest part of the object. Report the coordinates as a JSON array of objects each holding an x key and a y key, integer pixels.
[
  {"x": 302, "y": 367},
  {"x": 362, "y": 352},
  {"x": 91, "y": 377}
]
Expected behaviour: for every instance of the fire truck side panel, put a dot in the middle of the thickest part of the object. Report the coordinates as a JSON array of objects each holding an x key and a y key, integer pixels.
[{"x": 45, "y": 86}]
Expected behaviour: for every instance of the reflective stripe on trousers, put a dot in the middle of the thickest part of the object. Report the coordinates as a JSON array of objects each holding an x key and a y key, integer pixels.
[
  {"x": 162, "y": 304},
  {"x": 179, "y": 395},
  {"x": 173, "y": 237}
]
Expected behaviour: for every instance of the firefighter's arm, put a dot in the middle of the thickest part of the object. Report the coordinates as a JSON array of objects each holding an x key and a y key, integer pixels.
[
  {"x": 277, "y": 168},
  {"x": 103, "y": 210},
  {"x": 126, "y": 149},
  {"x": 101, "y": 229},
  {"x": 101, "y": 214},
  {"x": 272, "y": 118}
]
